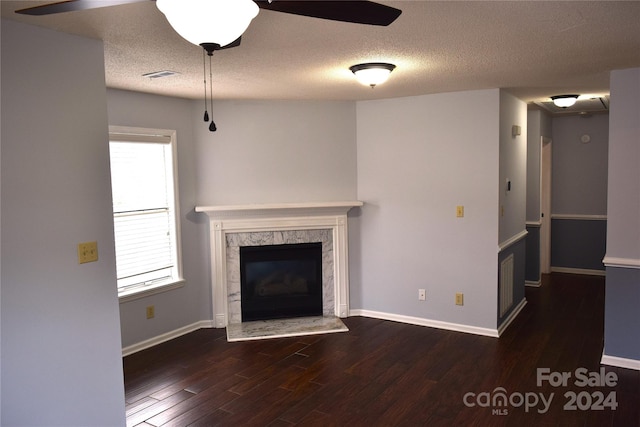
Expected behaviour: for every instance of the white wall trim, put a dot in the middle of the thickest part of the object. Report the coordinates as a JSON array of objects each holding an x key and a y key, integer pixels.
[
  {"x": 533, "y": 283},
  {"x": 278, "y": 210},
  {"x": 511, "y": 317},
  {"x": 167, "y": 137},
  {"x": 426, "y": 322},
  {"x": 610, "y": 261},
  {"x": 620, "y": 362},
  {"x": 589, "y": 272},
  {"x": 534, "y": 224},
  {"x": 134, "y": 294},
  {"x": 151, "y": 342},
  {"x": 512, "y": 240},
  {"x": 580, "y": 217}
]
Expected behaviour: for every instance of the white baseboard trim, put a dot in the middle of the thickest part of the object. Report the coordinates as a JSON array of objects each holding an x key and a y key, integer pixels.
[
  {"x": 457, "y": 327},
  {"x": 426, "y": 322},
  {"x": 134, "y": 348},
  {"x": 221, "y": 321},
  {"x": 533, "y": 284},
  {"x": 586, "y": 271},
  {"x": 620, "y": 362},
  {"x": 511, "y": 317}
]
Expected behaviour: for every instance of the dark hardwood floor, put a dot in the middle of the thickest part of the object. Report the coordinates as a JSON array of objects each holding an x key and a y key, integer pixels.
[{"x": 383, "y": 373}]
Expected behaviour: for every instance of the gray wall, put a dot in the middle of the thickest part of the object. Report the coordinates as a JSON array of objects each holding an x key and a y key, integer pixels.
[
  {"x": 579, "y": 171},
  {"x": 512, "y": 213},
  {"x": 512, "y": 167},
  {"x": 622, "y": 305},
  {"x": 579, "y": 192},
  {"x": 189, "y": 304},
  {"x": 621, "y": 319},
  {"x": 532, "y": 252},
  {"x": 578, "y": 244},
  {"x": 61, "y": 357},
  {"x": 416, "y": 163},
  {"x": 276, "y": 151},
  {"x": 623, "y": 204}
]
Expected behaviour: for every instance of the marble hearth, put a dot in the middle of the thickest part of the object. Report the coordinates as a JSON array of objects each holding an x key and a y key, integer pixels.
[{"x": 254, "y": 225}]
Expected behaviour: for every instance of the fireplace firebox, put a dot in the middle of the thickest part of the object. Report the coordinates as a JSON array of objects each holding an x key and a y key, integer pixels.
[{"x": 281, "y": 281}]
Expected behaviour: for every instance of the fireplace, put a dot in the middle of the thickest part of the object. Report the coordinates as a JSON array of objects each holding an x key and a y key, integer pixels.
[
  {"x": 281, "y": 281},
  {"x": 253, "y": 241},
  {"x": 232, "y": 227}
]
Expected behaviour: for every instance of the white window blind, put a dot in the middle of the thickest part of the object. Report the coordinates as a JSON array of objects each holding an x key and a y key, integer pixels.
[{"x": 143, "y": 210}]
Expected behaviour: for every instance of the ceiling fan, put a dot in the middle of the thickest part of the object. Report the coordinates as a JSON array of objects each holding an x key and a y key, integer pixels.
[
  {"x": 358, "y": 11},
  {"x": 219, "y": 24}
]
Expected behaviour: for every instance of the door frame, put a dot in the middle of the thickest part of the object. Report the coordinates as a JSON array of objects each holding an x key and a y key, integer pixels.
[{"x": 545, "y": 204}]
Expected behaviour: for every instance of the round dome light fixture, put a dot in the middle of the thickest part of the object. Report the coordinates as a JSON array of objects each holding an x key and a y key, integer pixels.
[
  {"x": 372, "y": 73},
  {"x": 209, "y": 21},
  {"x": 564, "y": 101}
]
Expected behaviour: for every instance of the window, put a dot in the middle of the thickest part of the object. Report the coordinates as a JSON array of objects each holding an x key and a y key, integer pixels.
[{"x": 145, "y": 215}]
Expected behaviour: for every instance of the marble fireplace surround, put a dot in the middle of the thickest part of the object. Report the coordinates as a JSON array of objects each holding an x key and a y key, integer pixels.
[{"x": 230, "y": 226}]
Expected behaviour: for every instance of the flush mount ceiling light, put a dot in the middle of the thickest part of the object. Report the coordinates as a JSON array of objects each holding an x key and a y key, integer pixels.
[
  {"x": 564, "y": 101},
  {"x": 372, "y": 73},
  {"x": 209, "y": 21}
]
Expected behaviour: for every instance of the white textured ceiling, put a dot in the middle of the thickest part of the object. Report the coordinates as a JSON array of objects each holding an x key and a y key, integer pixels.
[{"x": 534, "y": 49}]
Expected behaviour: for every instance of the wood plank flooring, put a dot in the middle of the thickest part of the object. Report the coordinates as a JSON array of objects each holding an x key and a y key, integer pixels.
[{"x": 383, "y": 373}]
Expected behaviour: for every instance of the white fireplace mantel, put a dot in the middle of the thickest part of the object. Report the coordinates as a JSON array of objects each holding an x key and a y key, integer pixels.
[{"x": 277, "y": 217}]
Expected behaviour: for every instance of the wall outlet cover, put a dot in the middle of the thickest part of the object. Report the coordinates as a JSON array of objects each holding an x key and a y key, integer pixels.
[{"x": 87, "y": 252}]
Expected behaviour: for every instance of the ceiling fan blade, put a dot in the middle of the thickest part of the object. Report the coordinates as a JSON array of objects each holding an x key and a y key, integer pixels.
[
  {"x": 71, "y": 6},
  {"x": 234, "y": 43},
  {"x": 358, "y": 12}
]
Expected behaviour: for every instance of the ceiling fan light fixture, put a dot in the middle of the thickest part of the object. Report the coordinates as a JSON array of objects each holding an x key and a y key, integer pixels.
[
  {"x": 564, "y": 101},
  {"x": 372, "y": 73},
  {"x": 209, "y": 21}
]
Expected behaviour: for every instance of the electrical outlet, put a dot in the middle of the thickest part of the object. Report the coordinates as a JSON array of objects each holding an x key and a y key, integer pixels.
[
  {"x": 151, "y": 312},
  {"x": 459, "y": 298},
  {"x": 460, "y": 211},
  {"x": 422, "y": 294},
  {"x": 87, "y": 252}
]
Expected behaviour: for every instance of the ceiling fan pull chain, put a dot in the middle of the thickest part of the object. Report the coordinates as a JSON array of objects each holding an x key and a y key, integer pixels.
[
  {"x": 204, "y": 72},
  {"x": 212, "y": 125}
]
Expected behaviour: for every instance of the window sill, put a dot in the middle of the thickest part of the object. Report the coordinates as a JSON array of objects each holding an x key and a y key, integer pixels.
[{"x": 134, "y": 294}]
